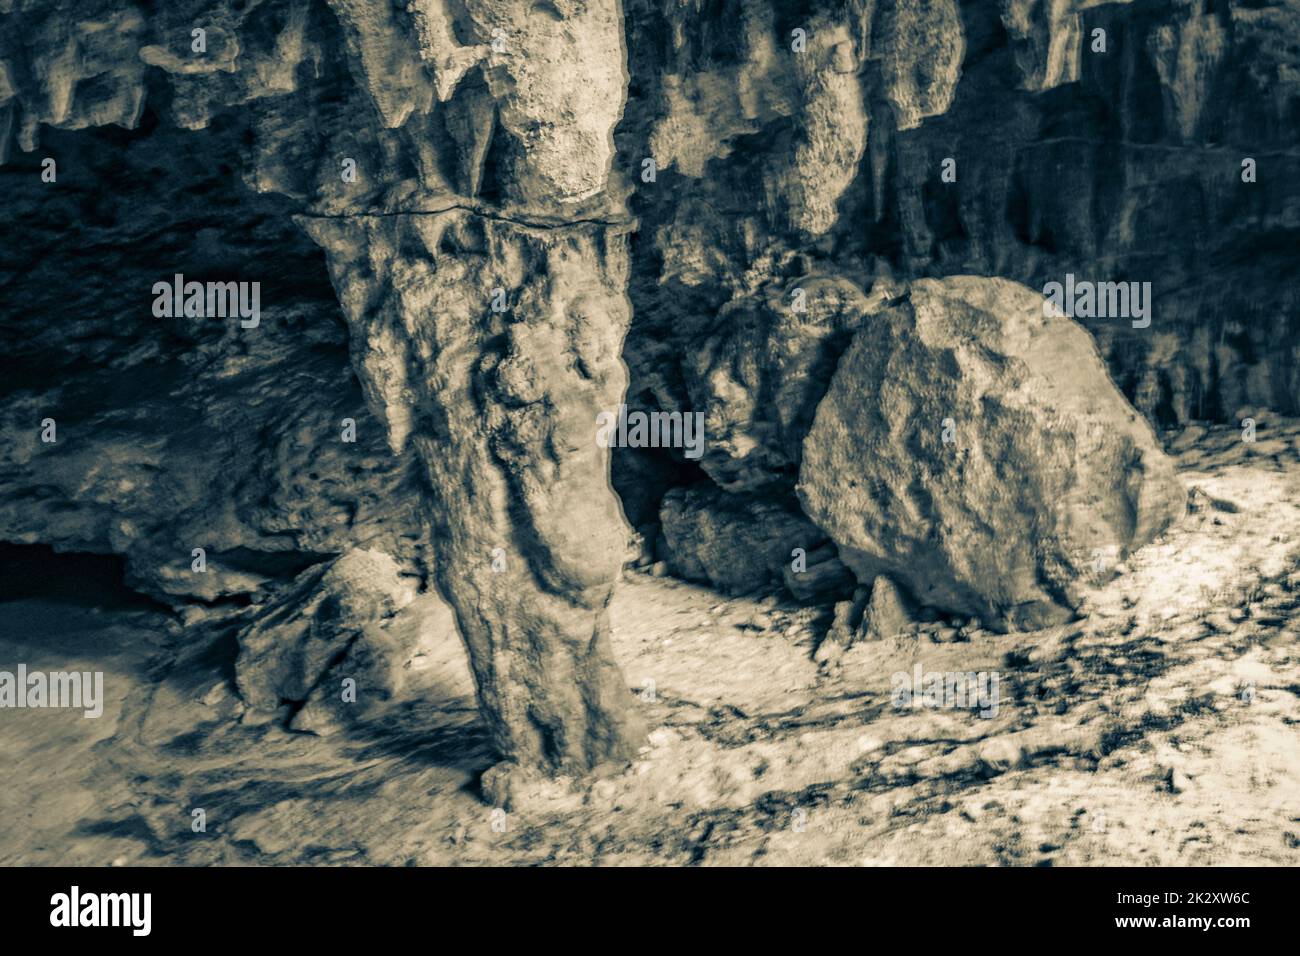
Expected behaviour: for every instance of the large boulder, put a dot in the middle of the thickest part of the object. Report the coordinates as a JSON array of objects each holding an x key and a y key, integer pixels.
[{"x": 975, "y": 450}]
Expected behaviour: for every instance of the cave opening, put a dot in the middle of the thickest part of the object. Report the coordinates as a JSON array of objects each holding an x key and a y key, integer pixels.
[{"x": 79, "y": 578}]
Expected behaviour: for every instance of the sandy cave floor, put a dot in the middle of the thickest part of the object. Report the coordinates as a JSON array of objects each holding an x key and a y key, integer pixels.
[{"x": 1163, "y": 727}]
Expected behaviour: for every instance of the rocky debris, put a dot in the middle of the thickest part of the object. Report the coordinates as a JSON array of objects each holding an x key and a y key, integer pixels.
[
  {"x": 377, "y": 664},
  {"x": 641, "y": 546},
  {"x": 887, "y": 617},
  {"x": 976, "y": 451},
  {"x": 737, "y": 544},
  {"x": 825, "y": 575},
  {"x": 331, "y": 621},
  {"x": 1075, "y": 767},
  {"x": 875, "y": 613},
  {"x": 844, "y": 627},
  {"x": 489, "y": 133},
  {"x": 1255, "y": 435}
]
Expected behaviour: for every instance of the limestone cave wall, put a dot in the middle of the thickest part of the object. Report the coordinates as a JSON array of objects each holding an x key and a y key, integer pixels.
[{"x": 476, "y": 224}]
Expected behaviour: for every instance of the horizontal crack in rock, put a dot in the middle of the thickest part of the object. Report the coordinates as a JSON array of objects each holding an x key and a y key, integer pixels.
[{"x": 630, "y": 222}]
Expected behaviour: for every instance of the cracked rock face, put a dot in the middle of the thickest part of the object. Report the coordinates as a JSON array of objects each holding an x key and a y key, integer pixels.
[{"x": 975, "y": 451}]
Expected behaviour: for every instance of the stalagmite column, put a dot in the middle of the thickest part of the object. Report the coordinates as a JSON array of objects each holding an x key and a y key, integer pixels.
[
  {"x": 487, "y": 331},
  {"x": 501, "y": 407}
]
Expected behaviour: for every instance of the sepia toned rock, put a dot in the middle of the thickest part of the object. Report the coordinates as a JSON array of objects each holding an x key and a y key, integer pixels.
[
  {"x": 738, "y": 545},
  {"x": 290, "y": 645},
  {"x": 886, "y": 617},
  {"x": 976, "y": 450},
  {"x": 358, "y": 568}
]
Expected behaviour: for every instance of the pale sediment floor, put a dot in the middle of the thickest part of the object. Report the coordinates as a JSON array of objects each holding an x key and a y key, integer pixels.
[{"x": 1161, "y": 728}]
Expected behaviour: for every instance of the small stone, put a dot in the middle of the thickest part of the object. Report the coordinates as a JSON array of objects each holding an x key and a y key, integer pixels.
[
  {"x": 1000, "y": 754},
  {"x": 848, "y": 615},
  {"x": 604, "y": 790},
  {"x": 886, "y": 616},
  {"x": 1221, "y": 621},
  {"x": 1179, "y": 782},
  {"x": 828, "y": 651}
]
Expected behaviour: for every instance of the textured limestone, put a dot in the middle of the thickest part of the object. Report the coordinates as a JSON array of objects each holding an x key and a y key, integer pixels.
[
  {"x": 497, "y": 113},
  {"x": 377, "y": 667},
  {"x": 824, "y": 576},
  {"x": 975, "y": 451},
  {"x": 181, "y": 433},
  {"x": 832, "y": 135},
  {"x": 758, "y": 378},
  {"x": 501, "y": 408},
  {"x": 1046, "y": 40},
  {"x": 709, "y": 102},
  {"x": 920, "y": 44},
  {"x": 1123, "y": 163},
  {"x": 845, "y": 623}
]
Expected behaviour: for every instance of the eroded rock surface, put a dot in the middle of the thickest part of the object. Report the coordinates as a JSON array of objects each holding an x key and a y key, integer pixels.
[
  {"x": 486, "y": 326},
  {"x": 331, "y": 620},
  {"x": 501, "y": 408},
  {"x": 737, "y": 544}
]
